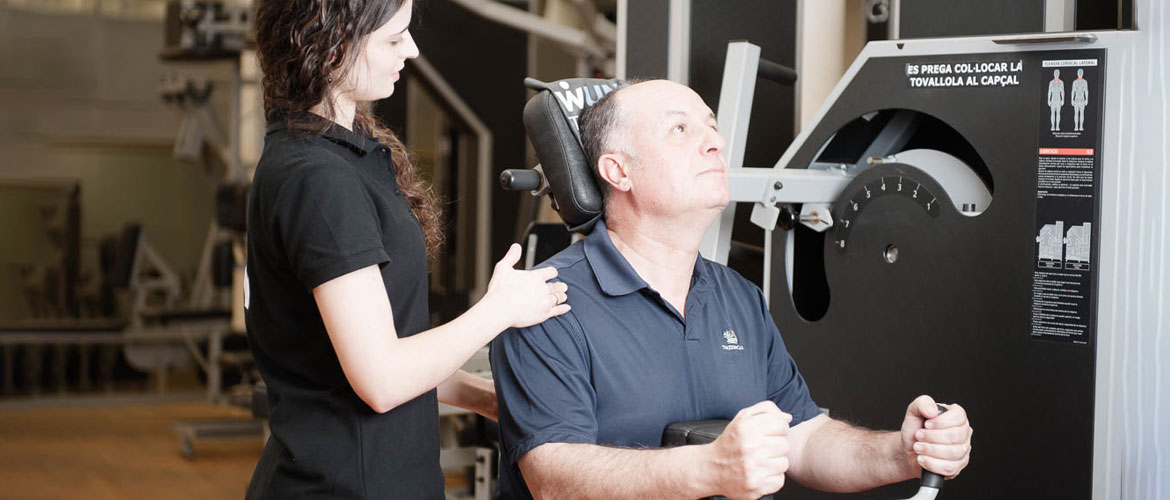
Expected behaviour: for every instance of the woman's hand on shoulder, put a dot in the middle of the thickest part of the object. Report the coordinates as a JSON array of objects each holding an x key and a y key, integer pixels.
[{"x": 525, "y": 298}]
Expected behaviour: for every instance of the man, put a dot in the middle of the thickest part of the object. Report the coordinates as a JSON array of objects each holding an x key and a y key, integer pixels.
[{"x": 658, "y": 335}]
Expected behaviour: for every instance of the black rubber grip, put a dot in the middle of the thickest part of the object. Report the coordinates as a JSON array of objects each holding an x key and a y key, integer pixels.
[
  {"x": 520, "y": 179},
  {"x": 931, "y": 479},
  {"x": 777, "y": 72}
]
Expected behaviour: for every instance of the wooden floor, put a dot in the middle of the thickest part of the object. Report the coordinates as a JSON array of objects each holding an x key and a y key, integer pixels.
[{"x": 120, "y": 452}]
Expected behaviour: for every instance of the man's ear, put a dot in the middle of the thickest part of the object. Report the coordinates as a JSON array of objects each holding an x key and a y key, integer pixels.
[{"x": 614, "y": 169}]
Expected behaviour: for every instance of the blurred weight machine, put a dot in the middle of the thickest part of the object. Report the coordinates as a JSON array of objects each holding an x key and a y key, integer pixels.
[{"x": 202, "y": 38}]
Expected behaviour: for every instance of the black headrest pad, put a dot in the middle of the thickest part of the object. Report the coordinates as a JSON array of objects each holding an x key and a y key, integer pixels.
[{"x": 550, "y": 118}]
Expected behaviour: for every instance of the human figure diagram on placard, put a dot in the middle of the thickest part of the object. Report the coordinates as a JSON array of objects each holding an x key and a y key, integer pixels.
[
  {"x": 1079, "y": 99},
  {"x": 1055, "y": 99}
]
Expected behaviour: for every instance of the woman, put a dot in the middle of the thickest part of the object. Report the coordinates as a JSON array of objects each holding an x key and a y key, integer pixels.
[{"x": 339, "y": 228}]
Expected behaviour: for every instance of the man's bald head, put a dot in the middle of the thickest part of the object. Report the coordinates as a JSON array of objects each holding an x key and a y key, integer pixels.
[
  {"x": 654, "y": 141},
  {"x": 605, "y": 126}
]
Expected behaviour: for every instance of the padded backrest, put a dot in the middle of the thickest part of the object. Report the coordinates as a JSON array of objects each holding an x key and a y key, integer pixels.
[{"x": 550, "y": 117}]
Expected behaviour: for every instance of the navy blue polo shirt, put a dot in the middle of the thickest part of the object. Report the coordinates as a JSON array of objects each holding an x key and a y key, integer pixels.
[{"x": 624, "y": 364}]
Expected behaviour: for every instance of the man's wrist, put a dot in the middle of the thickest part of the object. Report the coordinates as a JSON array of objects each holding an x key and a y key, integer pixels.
[
  {"x": 907, "y": 458},
  {"x": 702, "y": 477}
]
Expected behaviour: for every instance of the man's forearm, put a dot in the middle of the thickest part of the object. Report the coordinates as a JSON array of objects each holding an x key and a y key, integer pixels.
[
  {"x": 587, "y": 471},
  {"x": 842, "y": 458},
  {"x": 469, "y": 392}
]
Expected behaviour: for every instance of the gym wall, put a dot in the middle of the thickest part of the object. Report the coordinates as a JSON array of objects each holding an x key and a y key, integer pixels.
[{"x": 78, "y": 101}]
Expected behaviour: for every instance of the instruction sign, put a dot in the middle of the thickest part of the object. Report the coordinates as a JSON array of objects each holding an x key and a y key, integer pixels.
[
  {"x": 996, "y": 73},
  {"x": 1068, "y": 185}
]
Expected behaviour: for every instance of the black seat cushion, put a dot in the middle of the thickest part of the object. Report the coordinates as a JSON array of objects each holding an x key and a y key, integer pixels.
[{"x": 696, "y": 432}]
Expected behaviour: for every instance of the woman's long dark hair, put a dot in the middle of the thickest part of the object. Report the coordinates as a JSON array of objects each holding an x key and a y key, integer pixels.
[{"x": 301, "y": 44}]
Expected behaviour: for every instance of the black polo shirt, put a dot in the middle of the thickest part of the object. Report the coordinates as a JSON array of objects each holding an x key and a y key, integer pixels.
[
  {"x": 321, "y": 207},
  {"x": 624, "y": 364}
]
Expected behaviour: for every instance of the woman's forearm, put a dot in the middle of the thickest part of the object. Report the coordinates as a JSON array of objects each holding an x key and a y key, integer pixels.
[
  {"x": 383, "y": 369},
  {"x": 414, "y": 365}
]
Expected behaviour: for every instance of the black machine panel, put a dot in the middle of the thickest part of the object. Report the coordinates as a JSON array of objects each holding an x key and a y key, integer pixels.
[
  {"x": 771, "y": 26},
  {"x": 646, "y": 47},
  {"x": 944, "y": 18},
  {"x": 964, "y": 310}
]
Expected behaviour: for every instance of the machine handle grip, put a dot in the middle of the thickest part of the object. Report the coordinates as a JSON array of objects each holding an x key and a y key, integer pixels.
[
  {"x": 931, "y": 479},
  {"x": 776, "y": 72},
  {"x": 520, "y": 179}
]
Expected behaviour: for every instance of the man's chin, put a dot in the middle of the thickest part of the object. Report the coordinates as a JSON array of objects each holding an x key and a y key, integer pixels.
[
  {"x": 712, "y": 212},
  {"x": 722, "y": 202}
]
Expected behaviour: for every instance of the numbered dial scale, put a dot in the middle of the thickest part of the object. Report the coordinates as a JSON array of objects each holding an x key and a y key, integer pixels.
[{"x": 888, "y": 180}]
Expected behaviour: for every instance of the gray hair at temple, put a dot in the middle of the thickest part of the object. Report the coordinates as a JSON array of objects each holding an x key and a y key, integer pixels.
[{"x": 603, "y": 131}]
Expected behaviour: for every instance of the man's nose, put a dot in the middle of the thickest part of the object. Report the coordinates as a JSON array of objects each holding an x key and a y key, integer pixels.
[{"x": 714, "y": 142}]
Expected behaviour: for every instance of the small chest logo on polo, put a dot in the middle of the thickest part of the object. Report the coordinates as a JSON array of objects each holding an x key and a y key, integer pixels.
[{"x": 730, "y": 341}]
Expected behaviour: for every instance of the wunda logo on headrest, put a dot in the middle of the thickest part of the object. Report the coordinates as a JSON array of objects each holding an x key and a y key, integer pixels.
[{"x": 576, "y": 99}]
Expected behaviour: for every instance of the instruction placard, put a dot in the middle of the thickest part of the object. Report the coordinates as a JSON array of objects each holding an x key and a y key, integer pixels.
[
  {"x": 995, "y": 73},
  {"x": 1068, "y": 179}
]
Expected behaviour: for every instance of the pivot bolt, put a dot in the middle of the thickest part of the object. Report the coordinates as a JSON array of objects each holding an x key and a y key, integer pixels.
[{"x": 890, "y": 254}]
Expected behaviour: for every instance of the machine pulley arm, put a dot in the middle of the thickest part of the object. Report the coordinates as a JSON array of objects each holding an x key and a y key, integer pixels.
[{"x": 771, "y": 187}]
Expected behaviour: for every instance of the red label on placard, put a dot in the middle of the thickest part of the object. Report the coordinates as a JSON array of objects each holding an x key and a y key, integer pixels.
[{"x": 1066, "y": 151}]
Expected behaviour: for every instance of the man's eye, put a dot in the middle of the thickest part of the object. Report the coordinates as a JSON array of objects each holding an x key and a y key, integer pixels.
[{"x": 680, "y": 128}]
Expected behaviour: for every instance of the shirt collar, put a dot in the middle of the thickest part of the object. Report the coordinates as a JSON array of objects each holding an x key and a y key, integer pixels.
[
  {"x": 614, "y": 273},
  {"x": 359, "y": 143}
]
